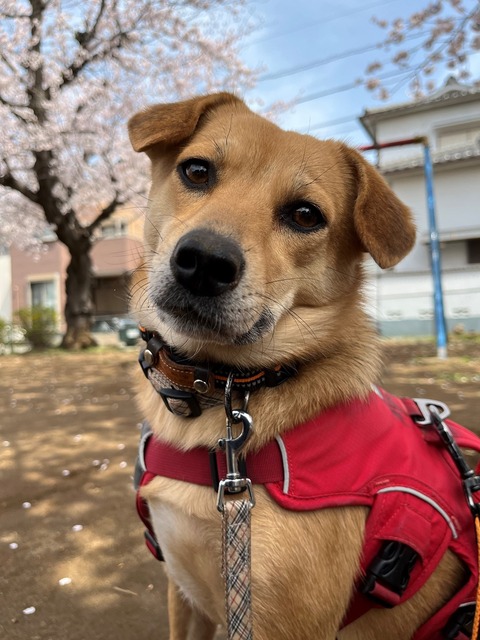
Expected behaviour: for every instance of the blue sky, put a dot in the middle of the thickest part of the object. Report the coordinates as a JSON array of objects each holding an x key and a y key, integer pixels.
[{"x": 296, "y": 33}]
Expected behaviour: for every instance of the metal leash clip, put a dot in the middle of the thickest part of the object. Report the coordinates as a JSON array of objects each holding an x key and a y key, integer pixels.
[
  {"x": 234, "y": 482},
  {"x": 424, "y": 406},
  {"x": 471, "y": 482}
]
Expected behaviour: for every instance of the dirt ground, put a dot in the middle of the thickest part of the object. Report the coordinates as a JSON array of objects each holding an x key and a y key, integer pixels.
[{"x": 72, "y": 559}]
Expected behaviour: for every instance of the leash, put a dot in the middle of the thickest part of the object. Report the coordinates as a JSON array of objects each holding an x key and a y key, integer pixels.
[
  {"x": 471, "y": 485},
  {"x": 236, "y": 531},
  {"x": 476, "y": 619}
]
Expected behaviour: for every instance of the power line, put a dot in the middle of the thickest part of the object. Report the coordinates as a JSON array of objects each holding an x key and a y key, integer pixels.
[
  {"x": 316, "y": 63},
  {"x": 329, "y": 123},
  {"x": 282, "y": 73},
  {"x": 338, "y": 16},
  {"x": 347, "y": 87}
]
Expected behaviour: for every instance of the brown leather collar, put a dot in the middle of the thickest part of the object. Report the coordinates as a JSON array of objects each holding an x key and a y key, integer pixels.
[{"x": 202, "y": 378}]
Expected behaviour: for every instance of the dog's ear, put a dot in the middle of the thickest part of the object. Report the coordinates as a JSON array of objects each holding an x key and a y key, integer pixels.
[
  {"x": 383, "y": 224},
  {"x": 171, "y": 124}
]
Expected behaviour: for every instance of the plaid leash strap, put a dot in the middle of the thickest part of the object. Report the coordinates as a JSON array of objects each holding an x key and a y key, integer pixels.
[{"x": 236, "y": 569}]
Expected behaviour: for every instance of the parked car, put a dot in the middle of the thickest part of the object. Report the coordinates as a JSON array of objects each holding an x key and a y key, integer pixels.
[
  {"x": 128, "y": 332},
  {"x": 105, "y": 332},
  {"x": 111, "y": 330}
]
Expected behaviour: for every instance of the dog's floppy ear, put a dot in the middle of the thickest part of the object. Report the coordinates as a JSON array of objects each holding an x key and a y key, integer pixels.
[
  {"x": 171, "y": 124},
  {"x": 383, "y": 224}
]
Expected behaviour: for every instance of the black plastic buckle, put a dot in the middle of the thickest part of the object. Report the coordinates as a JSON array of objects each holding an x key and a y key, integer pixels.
[
  {"x": 389, "y": 574},
  {"x": 184, "y": 396},
  {"x": 460, "y": 623},
  {"x": 153, "y": 546},
  {"x": 242, "y": 468}
]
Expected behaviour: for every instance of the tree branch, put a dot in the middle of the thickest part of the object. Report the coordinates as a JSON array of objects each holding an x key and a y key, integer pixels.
[
  {"x": 105, "y": 213},
  {"x": 13, "y": 108},
  {"x": 14, "y": 16},
  {"x": 9, "y": 64},
  {"x": 8, "y": 180},
  {"x": 71, "y": 73},
  {"x": 85, "y": 37}
]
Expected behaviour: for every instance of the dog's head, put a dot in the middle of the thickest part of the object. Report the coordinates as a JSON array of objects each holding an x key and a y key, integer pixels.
[{"x": 255, "y": 235}]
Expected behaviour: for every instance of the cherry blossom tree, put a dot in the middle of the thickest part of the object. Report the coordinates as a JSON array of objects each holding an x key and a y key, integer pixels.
[
  {"x": 419, "y": 49},
  {"x": 71, "y": 73}
]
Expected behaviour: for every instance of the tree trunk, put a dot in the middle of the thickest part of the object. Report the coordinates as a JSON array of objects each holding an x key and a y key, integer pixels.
[{"x": 79, "y": 302}]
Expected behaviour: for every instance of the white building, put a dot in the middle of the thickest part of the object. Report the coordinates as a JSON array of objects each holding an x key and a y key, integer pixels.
[{"x": 401, "y": 299}]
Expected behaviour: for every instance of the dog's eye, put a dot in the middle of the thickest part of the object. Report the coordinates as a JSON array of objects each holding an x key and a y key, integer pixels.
[
  {"x": 303, "y": 216},
  {"x": 196, "y": 173}
]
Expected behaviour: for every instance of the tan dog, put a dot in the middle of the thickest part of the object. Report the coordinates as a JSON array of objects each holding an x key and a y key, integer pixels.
[{"x": 254, "y": 246}]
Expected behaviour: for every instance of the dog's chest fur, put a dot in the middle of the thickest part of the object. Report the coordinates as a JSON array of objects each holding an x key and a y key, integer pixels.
[{"x": 190, "y": 540}]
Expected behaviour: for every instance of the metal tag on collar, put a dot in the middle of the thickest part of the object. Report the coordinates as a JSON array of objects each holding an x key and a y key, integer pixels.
[{"x": 234, "y": 482}]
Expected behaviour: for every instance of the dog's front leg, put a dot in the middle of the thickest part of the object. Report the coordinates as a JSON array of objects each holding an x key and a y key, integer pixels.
[{"x": 185, "y": 622}]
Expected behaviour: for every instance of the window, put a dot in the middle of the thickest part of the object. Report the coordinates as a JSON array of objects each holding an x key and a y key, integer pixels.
[
  {"x": 473, "y": 251},
  {"x": 113, "y": 228},
  {"x": 43, "y": 294},
  {"x": 458, "y": 137}
]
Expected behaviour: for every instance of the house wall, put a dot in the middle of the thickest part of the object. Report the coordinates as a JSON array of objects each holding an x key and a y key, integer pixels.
[
  {"x": 402, "y": 303},
  {"x": 5, "y": 287},
  {"x": 114, "y": 256},
  {"x": 457, "y": 196}
]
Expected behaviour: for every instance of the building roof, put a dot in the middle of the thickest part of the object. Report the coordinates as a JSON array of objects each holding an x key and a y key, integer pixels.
[{"x": 452, "y": 92}]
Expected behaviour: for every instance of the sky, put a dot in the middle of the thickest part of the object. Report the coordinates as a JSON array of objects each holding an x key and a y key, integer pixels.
[{"x": 298, "y": 33}]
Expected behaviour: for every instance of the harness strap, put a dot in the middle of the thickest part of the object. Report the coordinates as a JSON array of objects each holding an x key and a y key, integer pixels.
[
  {"x": 144, "y": 514},
  {"x": 204, "y": 467}
]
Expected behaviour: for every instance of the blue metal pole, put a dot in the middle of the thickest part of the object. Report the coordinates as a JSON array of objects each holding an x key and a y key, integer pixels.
[{"x": 440, "y": 325}]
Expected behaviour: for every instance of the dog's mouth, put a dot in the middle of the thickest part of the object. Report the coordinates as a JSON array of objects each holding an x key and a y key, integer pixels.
[{"x": 206, "y": 319}]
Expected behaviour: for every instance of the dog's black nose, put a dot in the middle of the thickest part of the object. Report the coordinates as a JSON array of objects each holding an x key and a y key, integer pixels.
[{"x": 207, "y": 263}]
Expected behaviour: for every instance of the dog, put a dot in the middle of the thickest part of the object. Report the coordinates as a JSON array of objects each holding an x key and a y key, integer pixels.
[{"x": 255, "y": 239}]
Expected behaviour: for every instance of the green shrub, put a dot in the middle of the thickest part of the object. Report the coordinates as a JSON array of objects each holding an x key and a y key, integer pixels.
[{"x": 39, "y": 324}]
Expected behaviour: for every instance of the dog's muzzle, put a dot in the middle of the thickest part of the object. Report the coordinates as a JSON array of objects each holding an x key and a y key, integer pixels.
[{"x": 207, "y": 263}]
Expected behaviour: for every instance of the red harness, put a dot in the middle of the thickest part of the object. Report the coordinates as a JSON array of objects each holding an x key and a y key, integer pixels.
[{"x": 370, "y": 453}]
